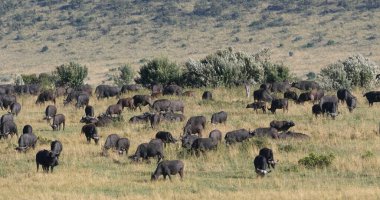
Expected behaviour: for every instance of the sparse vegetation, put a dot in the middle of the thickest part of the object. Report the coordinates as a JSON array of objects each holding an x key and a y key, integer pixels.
[
  {"x": 317, "y": 161},
  {"x": 122, "y": 75}
]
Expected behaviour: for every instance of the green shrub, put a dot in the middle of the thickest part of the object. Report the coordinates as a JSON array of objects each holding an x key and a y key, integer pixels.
[
  {"x": 30, "y": 78},
  {"x": 72, "y": 74},
  {"x": 355, "y": 71},
  {"x": 311, "y": 76},
  {"x": 275, "y": 72},
  {"x": 317, "y": 161},
  {"x": 286, "y": 148},
  {"x": 367, "y": 155},
  {"x": 45, "y": 80},
  {"x": 159, "y": 70},
  {"x": 122, "y": 75}
]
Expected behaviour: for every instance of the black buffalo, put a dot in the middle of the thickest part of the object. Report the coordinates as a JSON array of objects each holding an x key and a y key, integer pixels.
[
  {"x": 167, "y": 168},
  {"x": 115, "y": 109},
  {"x": 306, "y": 85},
  {"x": 27, "y": 129},
  {"x": 122, "y": 145},
  {"x": 126, "y": 103},
  {"x": 207, "y": 95},
  {"x": 293, "y": 135},
  {"x": 279, "y": 104},
  {"x": 106, "y": 91},
  {"x": 146, "y": 150},
  {"x": 281, "y": 125},
  {"x": 343, "y": 95},
  {"x": 7, "y": 100},
  {"x": 173, "y": 117},
  {"x": 351, "y": 103},
  {"x": 50, "y": 112},
  {"x": 165, "y": 137},
  {"x": 261, "y": 165},
  {"x": 110, "y": 142},
  {"x": 237, "y": 136},
  {"x": 91, "y": 132},
  {"x": 132, "y": 87},
  {"x": 47, "y": 95},
  {"x": 258, "y": 105},
  {"x": 373, "y": 96},
  {"x": 6, "y": 117},
  {"x": 46, "y": 159},
  {"x": 280, "y": 87},
  {"x": 330, "y": 108},
  {"x": 157, "y": 88},
  {"x": 58, "y": 120},
  {"x": 220, "y": 117},
  {"x": 89, "y": 111},
  {"x": 262, "y": 95},
  {"x": 193, "y": 129},
  {"x": 216, "y": 135},
  {"x": 165, "y": 105},
  {"x": 316, "y": 110},
  {"x": 56, "y": 148},
  {"x": 266, "y": 132},
  {"x": 141, "y": 100},
  {"x": 73, "y": 95},
  {"x": 268, "y": 154},
  {"x": 8, "y": 128},
  {"x": 26, "y": 141},
  {"x": 140, "y": 118},
  {"x": 203, "y": 145},
  {"x": 15, "y": 108},
  {"x": 188, "y": 140},
  {"x": 172, "y": 90},
  {"x": 82, "y": 100},
  {"x": 291, "y": 95},
  {"x": 197, "y": 120}
]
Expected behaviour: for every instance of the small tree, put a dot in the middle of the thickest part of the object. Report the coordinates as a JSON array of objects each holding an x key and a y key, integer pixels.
[
  {"x": 122, "y": 75},
  {"x": 159, "y": 70},
  {"x": 275, "y": 72},
  {"x": 72, "y": 74}
]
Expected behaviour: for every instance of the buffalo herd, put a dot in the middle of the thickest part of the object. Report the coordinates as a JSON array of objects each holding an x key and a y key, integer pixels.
[{"x": 169, "y": 110}]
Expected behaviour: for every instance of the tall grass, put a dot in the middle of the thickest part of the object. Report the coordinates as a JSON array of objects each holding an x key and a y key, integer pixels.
[{"x": 224, "y": 174}]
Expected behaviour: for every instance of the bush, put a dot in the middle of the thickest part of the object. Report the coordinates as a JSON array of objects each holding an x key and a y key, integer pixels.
[
  {"x": 122, "y": 75},
  {"x": 72, "y": 74},
  {"x": 355, "y": 71},
  {"x": 317, "y": 161},
  {"x": 159, "y": 70},
  {"x": 229, "y": 68},
  {"x": 46, "y": 81}
]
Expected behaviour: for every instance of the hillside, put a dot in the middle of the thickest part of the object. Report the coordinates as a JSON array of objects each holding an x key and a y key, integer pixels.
[{"x": 38, "y": 35}]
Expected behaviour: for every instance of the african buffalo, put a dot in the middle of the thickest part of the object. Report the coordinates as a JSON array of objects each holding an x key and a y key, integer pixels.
[
  {"x": 316, "y": 110},
  {"x": 166, "y": 137},
  {"x": 126, "y": 103},
  {"x": 166, "y": 105},
  {"x": 7, "y": 100},
  {"x": 330, "y": 108},
  {"x": 141, "y": 100},
  {"x": 279, "y": 104},
  {"x": 188, "y": 140},
  {"x": 351, "y": 103},
  {"x": 216, "y": 135},
  {"x": 266, "y": 132},
  {"x": 237, "y": 136},
  {"x": 291, "y": 95},
  {"x": 26, "y": 141},
  {"x": 82, "y": 100},
  {"x": 15, "y": 108},
  {"x": 262, "y": 95},
  {"x": 343, "y": 95},
  {"x": 27, "y": 129},
  {"x": 58, "y": 119},
  {"x": 8, "y": 128},
  {"x": 89, "y": 111},
  {"x": 146, "y": 150},
  {"x": 122, "y": 145},
  {"x": 173, "y": 117},
  {"x": 207, "y": 95},
  {"x": 73, "y": 95},
  {"x": 140, "y": 118},
  {"x": 172, "y": 90},
  {"x": 197, "y": 120},
  {"x": 220, "y": 117},
  {"x": 106, "y": 91},
  {"x": 90, "y": 132},
  {"x": 46, "y": 159},
  {"x": 203, "y": 144},
  {"x": 50, "y": 112},
  {"x": 281, "y": 125},
  {"x": 154, "y": 119},
  {"x": 6, "y": 117},
  {"x": 280, "y": 87},
  {"x": 115, "y": 109},
  {"x": 373, "y": 96},
  {"x": 261, "y": 165},
  {"x": 132, "y": 87},
  {"x": 56, "y": 148},
  {"x": 110, "y": 142},
  {"x": 46, "y": 95},
  {"x": 293, "y": 135},
  {"x": 306, "y": 85},
  {"x": 268, "y": 154},
  {"x": 167, "y": 168},
  {"x": 258, "y": 105}
]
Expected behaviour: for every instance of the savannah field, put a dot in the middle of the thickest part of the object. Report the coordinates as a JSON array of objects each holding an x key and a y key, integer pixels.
[
  {"x": 227, "y": 173},
  {"x": 38, "y": 36}
]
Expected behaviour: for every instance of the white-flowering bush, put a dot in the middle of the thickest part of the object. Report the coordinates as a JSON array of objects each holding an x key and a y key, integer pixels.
[{"x": 355, "y": 71}]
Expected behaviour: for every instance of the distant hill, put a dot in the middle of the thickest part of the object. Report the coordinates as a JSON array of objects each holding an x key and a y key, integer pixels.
[{"x": 37, "y": 35}]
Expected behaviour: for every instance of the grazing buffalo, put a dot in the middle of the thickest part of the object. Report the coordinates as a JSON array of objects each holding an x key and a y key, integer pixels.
[
  {"x": 146, "y": 150},
  {"x": 89, "y": 111},
  {"x": 281, "y": 125},
  {"x": 122, "y": 145},
  {"x": 172, "y": 90},
  {"x": 7, "y": 100},
  {"x": 343, "y": 95},
  {"x": 27, "y": 129},
  {"x": 26, "y": 141},
  {"x": 262, "y": 95},
  {"x": 115, "y": 109},
  {"x": 220, "y": 117},
  {"x": 110, "y": 142},
  {"x": 188, "y": 140},
  {"x": 60, "y": 91},
  {"x": 266, "y": 86},
  {"x": 167, "y": 168},
  {"x": 216, "y": 135},
  {"x": 193, "y": 129},
  {"x": 73, "y": 95},
  {"x": 268, "y": 154},
  {"x": 6, "y": 117},
  {"x": 291, "y": 95},
  {"x": 173, "y": 117},
  {"x": 50, "y": 112},
  {"x": 47, "y": 95},
  {"x": 157, "y": 88},
  {"x": 106, "y": 91},
  {"x": 330, "y": 108},
  {"x": 305, "y": 96},
  {"x": 316, "y": 110},
  {"x": 140, "y": 118},
  {"x": 155, "y": 120},
  {"x": 82, "y": 100},
  {"x": 90, "y": 132},
  {"x": 188, "y": 94},
  {"x": 166, "y": 105},
  {"x": 58, "y": 120},
  {"x": 197, "y": 120},
  {"x": 126, "y": 103},
  {"x": 306, "y": 85},
  {"x": 258, "y": 105},
  {"x": 237, "y": 136},
  {"x": 46, "y": 159},
  {"x": 56, "y": 148},
  {"x": 132, "y": 87},
  {"x": 279, "y": 104},
  {"x": 293, "y": 135},
  {"x": 280, "y": 87},
  {"x": 166, "y": 137},
  {"x": 373, "y": 96},
  {"x": 203, "y": 144},
  {"x": 15, "y": 108},
  {"x": 141, "y": 100},
  {"x": 261, "y": 165},
  {"x": 156, "y": 95},
  {"x": 351, "y": 103},
  {"x": 266, "y": 132},
  {"x": 103, "y": 120},
  {"x": 316, "y": 95},
  {"x": 8, "y": 128},
  {"x": 207, "y": 95}
]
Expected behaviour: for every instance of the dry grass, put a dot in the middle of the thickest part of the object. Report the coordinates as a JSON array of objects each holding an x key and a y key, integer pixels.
[{"x": 224, "y": 174}]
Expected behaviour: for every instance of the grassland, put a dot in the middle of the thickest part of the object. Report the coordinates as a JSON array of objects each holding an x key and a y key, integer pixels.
[
  {"x": 223, "y": 174},
  {"x": 106, "y": 34}
]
